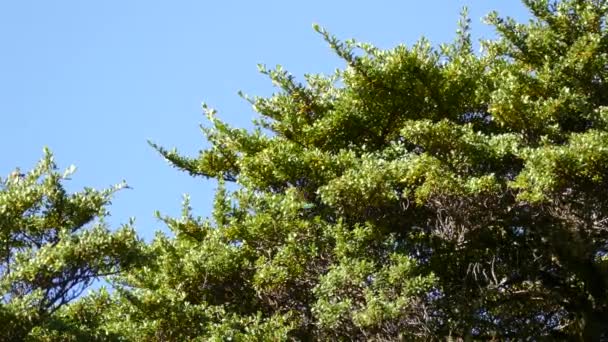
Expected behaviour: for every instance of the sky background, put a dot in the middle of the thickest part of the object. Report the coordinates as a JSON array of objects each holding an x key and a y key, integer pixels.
[{"x": 94, "y": 80}]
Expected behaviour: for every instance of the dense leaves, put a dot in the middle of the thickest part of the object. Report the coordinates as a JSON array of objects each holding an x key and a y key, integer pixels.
[
  {"x": 432, "y": 192},
  {"x": 54, "y": 245},
  {"x": 419, "y": 193}
]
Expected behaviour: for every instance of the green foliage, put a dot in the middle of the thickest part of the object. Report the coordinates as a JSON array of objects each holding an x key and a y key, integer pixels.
[
  {"x": 426, "y": 193},
  {"x": 420, "y": 193},
  {"x": 54, "y": 245}
]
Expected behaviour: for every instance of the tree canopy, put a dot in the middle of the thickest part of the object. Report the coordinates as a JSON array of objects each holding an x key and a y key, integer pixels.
[
  {"x": 53, "y": 246},
  {"x": 423, "y": 192}
]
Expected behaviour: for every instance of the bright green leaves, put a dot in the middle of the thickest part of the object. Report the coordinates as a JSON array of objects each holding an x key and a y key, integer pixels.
[
  {"x": 371, "y": 183},
  {"x": 188, "y": 288},
  {"x": 460, "y": 146},
  {"x": 283, "y": 164},
  {"x": 556, "y": 66},
  {"x": 359, "y": 294},
  {"x": 444, "y": 159},
  {"x": 222, "y": 160},
  {"x": 54, "y": 245},
  {"x": 573, "y": 169},
  {"x": 420, "y": 193}
]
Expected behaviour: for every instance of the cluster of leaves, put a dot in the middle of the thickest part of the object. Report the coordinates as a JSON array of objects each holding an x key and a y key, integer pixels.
[
  {"x": 419, "y": 193},
  {"x": 53, "y": 246}
]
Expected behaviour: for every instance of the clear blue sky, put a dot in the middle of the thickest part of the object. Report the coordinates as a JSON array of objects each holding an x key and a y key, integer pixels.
[{"x": 93, "y": 80}]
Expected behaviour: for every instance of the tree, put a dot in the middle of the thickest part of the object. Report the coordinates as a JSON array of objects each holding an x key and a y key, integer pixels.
[
  {"x": 53, "y": 246},
  {"x": 420, "y": 193}
]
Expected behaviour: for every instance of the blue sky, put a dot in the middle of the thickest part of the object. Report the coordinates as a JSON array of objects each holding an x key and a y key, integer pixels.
[{"x": 93, "y": 80}]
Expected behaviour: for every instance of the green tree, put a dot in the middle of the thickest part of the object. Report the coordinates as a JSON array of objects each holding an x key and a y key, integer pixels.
[
  {"x": 53, "y": 245},
  {"x": 419, "y": 193}
]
